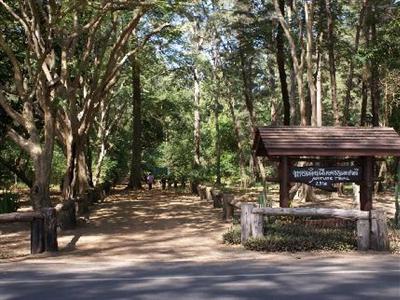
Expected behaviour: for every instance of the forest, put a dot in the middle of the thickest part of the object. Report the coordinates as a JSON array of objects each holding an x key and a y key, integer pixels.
[{"x": 106, "y": 91}]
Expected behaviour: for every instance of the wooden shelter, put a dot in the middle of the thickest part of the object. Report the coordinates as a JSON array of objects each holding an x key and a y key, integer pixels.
[{"x": 357, "y": 145}]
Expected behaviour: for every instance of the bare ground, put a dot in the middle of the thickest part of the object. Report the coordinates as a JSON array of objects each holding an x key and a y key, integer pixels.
[{"x": 150, "y": 226}]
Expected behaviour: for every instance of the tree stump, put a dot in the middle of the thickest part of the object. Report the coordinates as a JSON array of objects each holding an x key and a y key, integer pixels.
[
  {"x": 82, "y": 205},
  {"x": 228, "y": 209},
  {"x": 194, "y": 187},
  {"x": 217, "y": 198},
  {"x": 66, "y": 215}
]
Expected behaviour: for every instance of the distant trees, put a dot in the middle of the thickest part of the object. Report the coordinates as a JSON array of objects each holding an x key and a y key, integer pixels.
[{"x": 69, "y": 72}]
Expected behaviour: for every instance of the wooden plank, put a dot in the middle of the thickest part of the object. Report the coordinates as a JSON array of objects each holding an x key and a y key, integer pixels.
[
  {"x": 327, "y": 145},
  {"x": 331, "y": 152},
  {"x": 318, "y": 212},
  {"x": 327, "y": 141},
  {"x": 323, "y": 129},
  {"x": 20, "y": 217}
]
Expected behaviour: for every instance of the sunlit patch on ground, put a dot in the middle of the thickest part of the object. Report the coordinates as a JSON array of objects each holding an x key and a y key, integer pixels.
[{"x": 151, "y": 225}]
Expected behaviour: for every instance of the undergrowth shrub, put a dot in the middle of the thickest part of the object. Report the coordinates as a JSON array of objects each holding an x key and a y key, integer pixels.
[
  {"x": 296, "y": 234},
  {"x": 232, "y": 236},
  {"x": 8, "y": 202}
]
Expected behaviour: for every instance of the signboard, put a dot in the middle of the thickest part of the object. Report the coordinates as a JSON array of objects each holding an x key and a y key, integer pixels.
[{"x": 324, "y": 178}]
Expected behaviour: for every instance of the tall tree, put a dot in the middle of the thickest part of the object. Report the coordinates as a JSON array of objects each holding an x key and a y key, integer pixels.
[
  {"x": 280, "y": 60},
  {"x": 374, "y": 78},
  {"x": 298, "y": 65},
  {"x": 332, "y": 64},
  {"x": 309, "y": 19},
  {"x": 349, "y": 80},
  {"x": 135, "y": 179}
]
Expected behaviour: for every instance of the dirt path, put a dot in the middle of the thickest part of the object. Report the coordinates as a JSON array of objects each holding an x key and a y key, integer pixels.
[
  {"x": 140, "y": 226},
  {"x": 144, "y": 226}
]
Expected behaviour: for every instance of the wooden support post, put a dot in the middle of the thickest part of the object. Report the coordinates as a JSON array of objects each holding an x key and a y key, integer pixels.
[
  {"x": 379, "y": 231},
  {"x": 217, "y": 198},
  {"x": 363, "y": 234},
  {"x": 50, "y": 229},
  {"x": 228, "y": 209},
  {"x": 245, "y": 221},
  {"x": 37, "y": 236},
  {"x": 208, "y": 192},
  {"x": 367, "y": 183},
  {"x": 283, "y": 182},
  {"x": 257, "y": 225}
]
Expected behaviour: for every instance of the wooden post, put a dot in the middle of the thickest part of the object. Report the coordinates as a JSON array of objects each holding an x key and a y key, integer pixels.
[
  {"x": 208, "y": 192},
  {"x": 50, "y": 229},
  {"x": 379, "y": 231},
  {"x": 217, "y": 198},
  {"x": 283, "y": 182},
  {"x": 257, "y": 225},
  {"x": 367, "y": 183},
  {"x": 202, "y": 192},
  {"x": 363, "y": 234},
  {"x": 37, "y": 236},
  {"x": 245, "y": 221},
  {"x": 228, "y": 209}
]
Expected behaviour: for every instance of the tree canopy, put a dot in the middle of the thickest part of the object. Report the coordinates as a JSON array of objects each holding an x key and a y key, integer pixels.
[{"x": 94, "y": 91}]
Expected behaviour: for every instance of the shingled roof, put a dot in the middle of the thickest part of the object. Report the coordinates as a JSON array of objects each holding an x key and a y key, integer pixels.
[{"x": 326, "y": 141}]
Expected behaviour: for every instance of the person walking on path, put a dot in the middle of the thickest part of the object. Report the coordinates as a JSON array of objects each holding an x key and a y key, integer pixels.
[{"x": 150, "y": 180}]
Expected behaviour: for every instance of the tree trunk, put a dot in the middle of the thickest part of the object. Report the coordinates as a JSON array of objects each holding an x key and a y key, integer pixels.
[
  {"x": 99, "y": 164},
  {"x": 297, "y": 65},
  {"x": 374, "y": 78},
  {"x": 76, "y": 179},
  {"x": 366, "y": 73},
  {"x": 242, "y": 160},
  {"x": 40, "y": 193},
  {"x": 275, "y": 111},
  {"x": 364, "y": 98},
  {"x": 332, "y": 66},
  {"x": 197, "y": 124},
  {"x": 294, "y": 116},
  {"x": 309, "y": 11},
  {"x": 217, "y": 146},
  {"x": 319, "y": 90},
  {"x": 248, "y": 96},
  {"x": 280, "y": 60},
  {"x": 136, "y": 158},
  {"x": 349, "y": 81}
]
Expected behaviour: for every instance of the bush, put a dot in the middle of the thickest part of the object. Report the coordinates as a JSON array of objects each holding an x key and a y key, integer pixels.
[
  {"x": 8, "y": 202},
  {"x": 286, "y": 235},
  {"x": 394, "y": 237},
  {"x": 232, "y": 237},
  {"x": 295, "y": 237}
]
